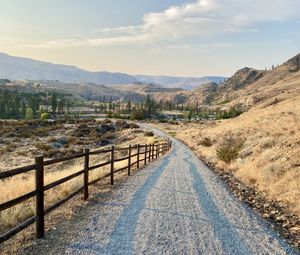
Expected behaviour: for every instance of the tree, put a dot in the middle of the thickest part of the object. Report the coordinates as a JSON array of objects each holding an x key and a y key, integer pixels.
[
  {"x": 29, "y": 114},
  {"x": 137, "y": 114},
  {"x": 60, "y": 106},
  {"x": 53, "y": 102},
  {"x": 2, "y": 110},
  {"x": 128, "y": 107}
]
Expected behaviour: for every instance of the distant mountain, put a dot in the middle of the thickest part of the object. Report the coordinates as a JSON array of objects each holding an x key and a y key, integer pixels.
[
  {"x": 187, "y": 83},
  {"x": 18, "y": 68}
]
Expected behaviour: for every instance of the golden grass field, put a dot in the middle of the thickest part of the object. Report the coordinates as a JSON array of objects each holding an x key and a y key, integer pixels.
[
  {"x": 25, "y": 183},
  {"x": 270, "y": 157}
]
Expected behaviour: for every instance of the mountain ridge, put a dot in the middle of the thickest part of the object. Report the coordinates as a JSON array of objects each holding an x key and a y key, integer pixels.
[{"x": 21, "y": 68}]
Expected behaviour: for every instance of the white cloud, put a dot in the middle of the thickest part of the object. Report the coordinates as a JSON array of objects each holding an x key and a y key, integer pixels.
[{"x": 202, "y": 18}]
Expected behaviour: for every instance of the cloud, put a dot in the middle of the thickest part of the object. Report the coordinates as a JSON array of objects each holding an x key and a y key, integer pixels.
[{"x": 198, "y": 19}]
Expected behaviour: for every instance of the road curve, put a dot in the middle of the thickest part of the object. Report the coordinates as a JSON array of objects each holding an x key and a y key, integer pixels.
[{"x": 176, "y": 205}]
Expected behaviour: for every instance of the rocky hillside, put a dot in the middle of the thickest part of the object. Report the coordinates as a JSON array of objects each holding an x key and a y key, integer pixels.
[{"x": 247, "y": 88}]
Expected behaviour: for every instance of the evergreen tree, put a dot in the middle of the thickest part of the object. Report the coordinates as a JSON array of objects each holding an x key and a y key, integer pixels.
[{"x": 53, "y": 102}]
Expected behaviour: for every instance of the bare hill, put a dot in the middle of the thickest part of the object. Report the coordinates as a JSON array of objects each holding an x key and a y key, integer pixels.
[{"x": 18, "y": 68}]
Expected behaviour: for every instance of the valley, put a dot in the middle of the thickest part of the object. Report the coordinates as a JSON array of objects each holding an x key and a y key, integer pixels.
[{"x": 246, "y": 128}]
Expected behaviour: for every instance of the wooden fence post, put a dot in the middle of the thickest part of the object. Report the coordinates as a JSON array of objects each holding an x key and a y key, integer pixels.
[
  {"x": 112, "y": 159},
  {"x": 145, "y": 159},
  {"x": 39, "y": 204},
  {"x": 86, "y": 174},
  {"x": 159, "y": 148},
  {"x": 129, "y": 159},
  {"x": 152, "y": 151},
  {"x": 149, "y": 156},
  {"x": 138, "y": 157}
]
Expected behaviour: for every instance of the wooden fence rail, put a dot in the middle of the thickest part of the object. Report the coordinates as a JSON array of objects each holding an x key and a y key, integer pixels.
[{"x": 148, "y": 152}]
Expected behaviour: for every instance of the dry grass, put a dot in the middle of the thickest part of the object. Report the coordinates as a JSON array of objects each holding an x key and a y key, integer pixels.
[
  {"x": 270, "y": 156},
  {"x": 22, "y": 184}
]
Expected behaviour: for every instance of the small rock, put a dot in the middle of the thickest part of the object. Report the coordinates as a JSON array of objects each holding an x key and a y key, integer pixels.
[
  {"x": 280, "y": 218},
  {"x": 266, "y": 216}
]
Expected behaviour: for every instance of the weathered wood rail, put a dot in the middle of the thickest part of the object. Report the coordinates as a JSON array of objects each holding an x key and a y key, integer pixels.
[{"x": 148, "y": 152}]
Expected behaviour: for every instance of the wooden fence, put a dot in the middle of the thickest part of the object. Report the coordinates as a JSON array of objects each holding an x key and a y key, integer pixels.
[{"x": 148, "y": 152}]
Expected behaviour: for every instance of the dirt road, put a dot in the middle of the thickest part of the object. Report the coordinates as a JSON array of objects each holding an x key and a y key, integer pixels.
[{"x": 176, "y": 205}]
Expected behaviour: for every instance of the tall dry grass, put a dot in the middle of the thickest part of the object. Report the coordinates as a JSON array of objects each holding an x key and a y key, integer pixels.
[
  {"x": 22, "y": 184},
  {"x": 270, "y": 156}
]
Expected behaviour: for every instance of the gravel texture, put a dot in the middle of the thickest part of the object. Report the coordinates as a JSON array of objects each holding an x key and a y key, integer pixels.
[{"x": 176, "y": 205}]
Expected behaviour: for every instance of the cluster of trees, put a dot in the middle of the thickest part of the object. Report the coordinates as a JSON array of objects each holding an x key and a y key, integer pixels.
[
  {"x": 16, "y": 105},
  {"x": 152, "y": 109},
  {"x": 231, "y": 113},
  {"x": 212, "y": 114},
  {"x": 134, "y": 111}
]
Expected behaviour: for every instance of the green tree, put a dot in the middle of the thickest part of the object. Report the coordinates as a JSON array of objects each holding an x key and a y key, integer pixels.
[
  {"x": 29, "y": 114},
  {"x": 53, "y": 102},
  {"x": 129, "y": 107}
]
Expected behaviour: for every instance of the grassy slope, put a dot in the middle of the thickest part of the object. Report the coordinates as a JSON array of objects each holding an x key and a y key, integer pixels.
[{"x": 270, "y": 158}]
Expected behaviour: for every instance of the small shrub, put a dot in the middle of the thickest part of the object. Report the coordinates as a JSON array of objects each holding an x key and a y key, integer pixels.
[
  {"x": 10, "y": 147},
  {"x": 109, "y": 136},
  {"x": 122, "y": 124},
  {"x": 149, "y": 133},
  {"x": 42, "y": 146},
  {"x": 51, "y": 153},
  {"x": 45, "y": 116},
  {"x": 172, "y": 133},
  {"x": 134, "y": 126},
  {"x": 51, "y": 140},
  {"x": 107, "y": 121},
  {"x": 206, "y": 142},
  {"x": 229, "y": 148}
]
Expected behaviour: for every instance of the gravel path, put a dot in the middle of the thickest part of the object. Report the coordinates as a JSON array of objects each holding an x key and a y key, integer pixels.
[{"x": 176, "y": 205}]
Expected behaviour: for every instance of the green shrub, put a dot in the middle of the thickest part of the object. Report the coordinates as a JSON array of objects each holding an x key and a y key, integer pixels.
[
  {"x": 116, "y": 115},
  {"x": 229, "y": 148},
  {"x": 137, "y": 115},
  {"x": 172, "y": 133},
  {"x": 109, "y": 114},
  {"x": 232, "y": 113},
  {"x": 45, "y": 116}
]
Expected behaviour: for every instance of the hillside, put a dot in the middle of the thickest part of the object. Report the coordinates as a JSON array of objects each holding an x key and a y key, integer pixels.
[
  {"x": 269, "y": 134},
  {"x": 245, "y": 89},
  {"x": 186, "y": 83},
  {"x": 83, "y": 91},
  {"x": 18, "y": 68}
]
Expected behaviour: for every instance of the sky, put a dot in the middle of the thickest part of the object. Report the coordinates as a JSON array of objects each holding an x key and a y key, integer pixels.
[{"x": 155, "y": 37}]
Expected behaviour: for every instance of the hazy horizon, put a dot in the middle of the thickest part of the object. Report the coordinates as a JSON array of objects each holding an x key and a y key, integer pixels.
[{"x": 170, "y": 38}]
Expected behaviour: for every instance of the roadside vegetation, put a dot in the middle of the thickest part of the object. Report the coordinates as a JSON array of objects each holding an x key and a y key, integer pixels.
[
  {"x": 260, "y": 148},
  {"x": 55, "y": 140}
]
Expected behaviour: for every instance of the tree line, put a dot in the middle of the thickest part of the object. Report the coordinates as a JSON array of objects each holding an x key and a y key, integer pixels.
[{"x": 25, "y": 105}]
